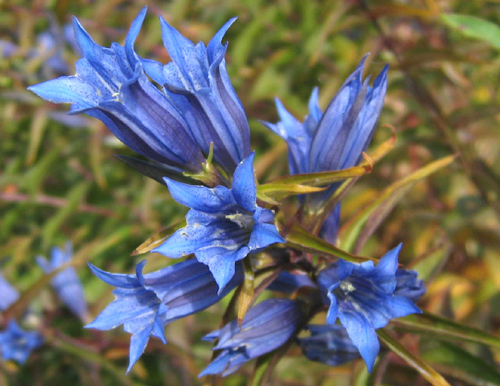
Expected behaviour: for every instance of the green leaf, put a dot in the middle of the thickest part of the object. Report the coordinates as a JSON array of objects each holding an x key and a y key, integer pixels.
[
  {"x": 247, "y": 292},
  {"x": 460, "y": 364},
  {"x": 278, "y": 191},
  {"x": 297, "y": 237},
  {"x": 158, "y": 239},
  {"x": 358, "y": 228},
  {"x": 74, "y": 198},
  {"x": 322, "y": 178},
  {"x": 90, "y": 356},
  {"x": 438, "y": 327},
  {"x": 38, "y": 124},
  {"x": 17, "y": 309},
  {"x": 418, "y": 364},
  {"x": 431, "y": 262},
  {"x": 474, "y": 27}
]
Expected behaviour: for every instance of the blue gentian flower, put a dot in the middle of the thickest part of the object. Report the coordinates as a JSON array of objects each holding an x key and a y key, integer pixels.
[
  {"x": 265, "y": 327},
  {"x": 334, "y": 139},
  {"x": 198, "y": 83},
  {"x": 174, "y": 127},
  {"x": 329, "y": 345},
  {"x": 288, "y": 282},
  {"x": 8, "y": 294},
  {"x": 409, "y": 285},
  {"x": 224, "y": 225},
  {"x": 17, "y": 344},
  {"x": 146, "y": 303},
  {"x": 110, "y": 84},
  {"x": 363, "y": 297},
  {"x": 66, "y": 282}
]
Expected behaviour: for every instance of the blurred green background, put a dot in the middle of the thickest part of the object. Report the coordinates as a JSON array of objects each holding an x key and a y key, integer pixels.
[{"x": 60, "y": 181}]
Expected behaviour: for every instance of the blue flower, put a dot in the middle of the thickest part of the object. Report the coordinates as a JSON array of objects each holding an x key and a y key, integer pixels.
[
  {"x": 265, "y": 327},
  {"x": 8, "y": 294},
  {"x": 66, "y": 282},
  {"x": 288, "y": 282},
  {"x": 198, "y": 83},
  {"x": 146, "y": 303},
  {"x": 17, "y": 344},
  {"x": 328, "y": 344},
  {"x": 224, "y": 225},
  {"x": 408, "y": 285},
  {"x": 335, "y": 139},
  {"x": 363, "y": 297},
  {"x": 173, "y": 127},
  {"x": 110, "y": 84}
]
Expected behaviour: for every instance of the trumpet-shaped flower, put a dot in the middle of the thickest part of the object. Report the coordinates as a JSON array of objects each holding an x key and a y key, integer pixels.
[
  {"x": 66, "y": 282},
  {"x": 8, "y": 294},
  {"x": 363, "y": 297},
  {"x": 265, "y": 327},
  {"x": 336, "y": 138},
  {"x": 174, "y": 126},
  {"x": 224, "y": 225},
  {"x": 110, "y": 84},
  {"x": 17, "y": 344},
  {"x": 145, "y": 303},
  {"x": 328, "y": 344},
  {"x": 198, "y": 83}
]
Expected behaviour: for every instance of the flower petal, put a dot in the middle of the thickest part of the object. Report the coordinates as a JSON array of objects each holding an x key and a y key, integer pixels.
[{"x": 243, "y": 187}]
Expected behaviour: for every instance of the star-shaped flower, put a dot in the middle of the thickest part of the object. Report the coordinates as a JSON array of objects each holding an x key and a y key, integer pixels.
[
  {"x": 145, "y": 303},
  {"x": 17, "y": 344},
  {"x": 363, "y": 297},
  {"x": 224, "y": 225}
]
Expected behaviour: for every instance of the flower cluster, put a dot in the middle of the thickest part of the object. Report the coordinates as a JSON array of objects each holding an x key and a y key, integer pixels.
[{"x": 186, "y": 118}]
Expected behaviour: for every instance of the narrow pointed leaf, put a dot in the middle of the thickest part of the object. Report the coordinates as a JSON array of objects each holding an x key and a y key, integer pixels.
[
  {"x": 474, "y": 27},
  {"x": 418, "y": 364},
  {"x": 154, "y": 171},
  {"x": 460, "y": 364},
  {"x": 301, "y": 239},
  {"x": 158, "y": 239},
  {"x": 431, "y": 263},
  {"x": 323, "y": 178},
  {"x": 279, "y": 191},
  {"x": 17, "y": 309},
  {"x": 359, "y": 227},
  {"x": 85, "y": 354},
  {"x": 442, "y": 328},
  {"x": 248, "y": 288}
]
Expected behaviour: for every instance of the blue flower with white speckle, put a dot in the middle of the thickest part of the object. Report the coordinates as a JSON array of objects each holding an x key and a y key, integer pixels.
[
  {"x": 363, "y": 297},
  {"x": 224, "y": 225}
]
